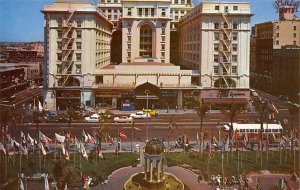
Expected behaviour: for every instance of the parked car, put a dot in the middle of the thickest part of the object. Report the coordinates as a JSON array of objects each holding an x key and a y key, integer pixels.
[
  {"x": 283, "y": 97},
  {"x": 140, "y": 115},
  {"x": 253, "y": 93},
  {"x": 92, "y": 119},
  {"x": 123, "y": 119},
  {"x": 151, "y": 112}
]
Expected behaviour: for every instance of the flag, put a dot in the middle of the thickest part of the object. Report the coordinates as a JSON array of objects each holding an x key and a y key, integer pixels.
[
  {"x": 46, "y": 181},
  {"x": 21, "y": 186},
  {"x": 16, "y": 144},
  {"x": 85, "y": 137},
  {"x": 246, "y": 139},
  {"x": 123, "y": 135},
  {"x": 272, "y": 107},
  {"x": 40, "y": 106},
  {"x": 25, "y": 150},
  {"x": 60, "y": 138},
  {"x": 2, "y": 148},
  {"x": 23, "y": 138},
  {"x": 77, "y": 143},
  {"x": 82, "y": 151},
  {"x": 30, "y": 140},
  {"x": 45, "y": 140},
  {"x": 43, "y": 149},
  {"x": 90, "y": 138}
]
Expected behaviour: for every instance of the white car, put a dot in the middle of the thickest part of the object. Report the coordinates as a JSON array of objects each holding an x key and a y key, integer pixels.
[
  {"x": 92, "y": 119},
  {"x": 139, "y": 115},
  {"x": 123, "y": 119}
]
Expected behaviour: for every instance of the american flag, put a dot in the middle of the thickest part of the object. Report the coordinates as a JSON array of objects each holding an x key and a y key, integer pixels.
[{"x": 272, "y": 107}]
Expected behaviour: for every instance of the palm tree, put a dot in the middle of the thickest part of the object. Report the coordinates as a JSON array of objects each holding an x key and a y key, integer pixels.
[
  {"x": 201, "y": 109},
  {"x": 234, "y": 110},
  {"x": 101, "y": 134},
  {"x": 261, "y": 107}
]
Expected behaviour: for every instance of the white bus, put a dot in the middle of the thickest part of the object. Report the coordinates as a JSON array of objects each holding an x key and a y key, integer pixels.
[{"x": 242, "y": 128}]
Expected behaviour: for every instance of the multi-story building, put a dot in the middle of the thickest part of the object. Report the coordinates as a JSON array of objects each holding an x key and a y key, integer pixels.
[
  {"x": 127, "y": 17},
  {"x": 270, "y": 36},
  {"x": 215, "y": 40},
  {"x": 285, "y": 72},
  {"x": 77, "y": 44}
]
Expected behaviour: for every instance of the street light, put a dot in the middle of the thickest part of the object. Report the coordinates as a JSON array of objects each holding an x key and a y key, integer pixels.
[{"x": 147, "y": 92}]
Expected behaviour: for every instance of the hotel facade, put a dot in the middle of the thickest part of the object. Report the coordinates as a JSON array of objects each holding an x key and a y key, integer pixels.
[{"x": 109, "y": 54}]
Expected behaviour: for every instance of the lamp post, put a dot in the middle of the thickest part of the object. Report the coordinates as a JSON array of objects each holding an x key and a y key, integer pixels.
[
  {"x": 147, "y": 92},
  {"x": 132, "y": 126}
]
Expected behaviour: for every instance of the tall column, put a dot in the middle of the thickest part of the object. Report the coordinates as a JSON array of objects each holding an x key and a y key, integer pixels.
[
  {"x": 157, "y": 170},
  {"x": 146, "y": 167},
  {"x": 179, "y": 99},
  {"x": 151, "y": 170},
  {"x": 162, "y": 169}
]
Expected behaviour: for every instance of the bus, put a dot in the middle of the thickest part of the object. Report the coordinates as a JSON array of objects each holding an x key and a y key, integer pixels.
[{"x": 242, "y": 128}]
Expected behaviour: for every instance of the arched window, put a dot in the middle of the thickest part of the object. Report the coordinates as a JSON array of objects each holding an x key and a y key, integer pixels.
[
  {"x": 216, "y": 25},
  {"x": 146, "y": 41}
]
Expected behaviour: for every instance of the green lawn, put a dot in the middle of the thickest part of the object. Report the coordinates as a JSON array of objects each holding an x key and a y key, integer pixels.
[
  {"x": 65, "y": 170},
  {"x": 248, "y": 161}
]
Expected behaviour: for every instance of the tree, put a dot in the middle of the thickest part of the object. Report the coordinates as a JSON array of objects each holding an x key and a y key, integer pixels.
[
  {"x": 101, "y": 134},
  {"x": 234, "y": 110},
  {"x": 201, "y": 108},
  {"x": 261, "y": 107}
]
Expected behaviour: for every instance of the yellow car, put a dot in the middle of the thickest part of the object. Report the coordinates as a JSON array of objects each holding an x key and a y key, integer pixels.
[{"x": 151, "y": 112}]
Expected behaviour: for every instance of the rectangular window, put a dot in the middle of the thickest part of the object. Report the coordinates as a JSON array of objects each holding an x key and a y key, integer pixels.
[
  {"x": 152, "y": 12},
  {"x": 217, "y": 8},
  {"x": 234, "y": 36},
  {"x": 78, "y": 45},
  {"x": 277, "y": 35},
  {"x": 129, "y": 12},
  {"x": 140, "y": 11},
  {"x": 162, "y": 31},
  {"x": 234, "y": 47},
  {"x": 295, "y": 35},
  {"x": 216, "y": 35},
  {"x": 163, "y": 38},
  {"x": 163, "y": 12},
  {"x": 235, "y": 8},
  {"x": 277, "y": 42},
  {"x": 99, "y": 79},
  {"x": 59, "y": 23},
  {"x": 234, "y": 69},
  {"x": 78, "y": 33},
  {"x": 163, "y": 24},
  {"x": 295, "y": 27},
  {"x": 216, "y": 58},
  {"x": 163, "y": 46},
  {"x": 79, "y": 22},
  {"x": 294, "y": 42},
  {"x": 59, "y": 34},
  {"x": 216, "y": 47},
  {"x": 78, "y": 69},
  {"x": 78, "y": 56},
  {"x": 146, "y": 12},
  {"x": 129, "y": 38},
  {"x": 163, "y": 54},
  {"x": 234, "y": 58},
  {"x": 59, "y": 57},
  {"x": 216, "y": 69},
  {"x": 277, "y": 27},
  {"x": 176, "y": 1},
  {"x": 129, "y": 46},
  {"x": 59, "y": 45},
  {"x": 115, "y": 17},
  {"x": 235, "y": 26},
  {"x": 128, "y": 54},
  {"x": 182, "y": 2}
]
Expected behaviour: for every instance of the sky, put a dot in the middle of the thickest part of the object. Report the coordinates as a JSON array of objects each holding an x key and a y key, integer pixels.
[{"x": 22, "y": 20}]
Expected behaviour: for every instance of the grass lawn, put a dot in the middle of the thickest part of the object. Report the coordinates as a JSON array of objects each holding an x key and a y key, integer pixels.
[
  {"x": 66, "y": 170},
  {"x": 248, "y": 161}
]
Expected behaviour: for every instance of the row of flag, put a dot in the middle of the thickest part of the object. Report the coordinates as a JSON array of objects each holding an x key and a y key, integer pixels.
[{"x": 29, "y": 142}]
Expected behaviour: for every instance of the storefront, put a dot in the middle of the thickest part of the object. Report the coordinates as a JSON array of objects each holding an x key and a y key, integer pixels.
[
  {"x": 68, "y": 99},
  {"x": 108, "y": 99}
]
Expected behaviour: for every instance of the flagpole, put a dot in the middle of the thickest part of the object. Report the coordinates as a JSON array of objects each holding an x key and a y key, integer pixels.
[{"x": 20, "y": 163}]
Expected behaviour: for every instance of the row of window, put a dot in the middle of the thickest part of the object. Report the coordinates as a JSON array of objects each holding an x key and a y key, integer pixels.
[
  {"x": 70, "y": 34},
  {"x": 224, "y": 58},
  {"x": 218, "y": 70},
  {"x": 294, "y": 35},
  {"x": 70, "y": 57},
  {"x": 60, "y": 23},
  {"x": 294, "y": 27},
  {"x": 225, "y": 48}
]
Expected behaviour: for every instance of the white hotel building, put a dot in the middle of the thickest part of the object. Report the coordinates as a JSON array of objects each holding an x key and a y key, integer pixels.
[{"x": 110, "y": 54}]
